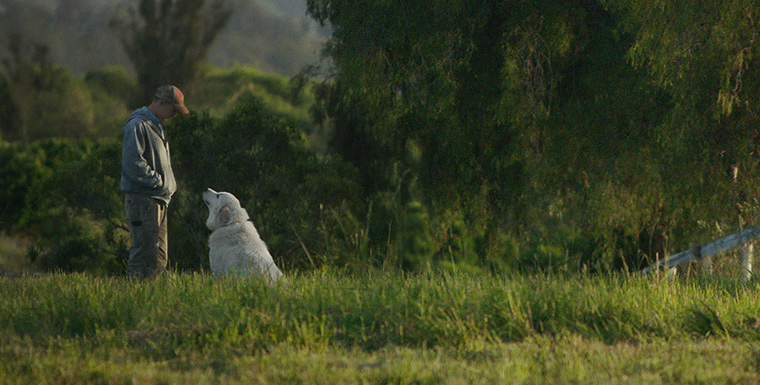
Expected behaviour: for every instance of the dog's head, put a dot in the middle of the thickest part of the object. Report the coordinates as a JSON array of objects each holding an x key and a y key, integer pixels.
[{"x": 223, "y": 209}]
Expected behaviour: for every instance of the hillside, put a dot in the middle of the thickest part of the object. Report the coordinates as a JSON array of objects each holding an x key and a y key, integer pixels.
[{"x": 273, "y": 35}]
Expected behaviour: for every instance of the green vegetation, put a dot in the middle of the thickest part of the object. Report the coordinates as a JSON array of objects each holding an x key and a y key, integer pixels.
[
  {"x": 600, "y": 134},
  {"x": 42, "y": 100},
  {"x": 456, "y": 198},
  {"x": 220, "y": 90},
  {"x": 275, "y": 35},
  {"x": 533, "y": 136},
  {"x": 329, "y": 328},
  {"x": 64, "y": 194},
  {"x": 167, "y": 42},
  {"x": 12, "y": 254}
]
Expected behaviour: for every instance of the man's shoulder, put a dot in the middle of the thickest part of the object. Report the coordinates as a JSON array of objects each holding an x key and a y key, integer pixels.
[
  {"x": 138, "y": 120},
  {"x": 142, "y": 114}
]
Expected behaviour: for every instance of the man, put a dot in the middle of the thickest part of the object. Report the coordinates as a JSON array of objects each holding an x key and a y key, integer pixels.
[{"x": 147, "y": 181}]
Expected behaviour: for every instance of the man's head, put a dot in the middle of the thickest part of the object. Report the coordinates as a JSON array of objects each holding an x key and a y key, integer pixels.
[{"x": 167, "y": 102}]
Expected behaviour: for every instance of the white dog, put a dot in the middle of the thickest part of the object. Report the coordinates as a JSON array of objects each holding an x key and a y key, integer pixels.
[{"x": 235, "y": 246}]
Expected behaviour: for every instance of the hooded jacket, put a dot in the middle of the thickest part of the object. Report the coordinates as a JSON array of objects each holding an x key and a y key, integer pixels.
[{"x": 145, "y": 163}]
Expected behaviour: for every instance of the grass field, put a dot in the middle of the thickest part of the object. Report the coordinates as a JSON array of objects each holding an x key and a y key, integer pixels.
[{"x": 331, "y": 328}]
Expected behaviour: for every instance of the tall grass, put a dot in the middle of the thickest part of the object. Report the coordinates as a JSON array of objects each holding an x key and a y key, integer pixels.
[
  {"x": 197, "y": 319},
  {"x": 375, "y": 310}
]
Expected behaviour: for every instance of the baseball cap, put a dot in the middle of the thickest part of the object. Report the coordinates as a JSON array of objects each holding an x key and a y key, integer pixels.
[{"x": 173, "y": 95}]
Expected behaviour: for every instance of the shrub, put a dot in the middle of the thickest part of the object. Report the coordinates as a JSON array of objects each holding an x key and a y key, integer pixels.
[
  {"x": 221, "y": 90},
  {"x": 116, "y": 82},
  {"x": 74, "y": 212},
  {"x": 262, "y": 159},
  {"x": 21, "y": 167}
]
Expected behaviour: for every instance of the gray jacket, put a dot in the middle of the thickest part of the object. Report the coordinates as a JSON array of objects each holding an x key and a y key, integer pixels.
[{"x": 145, "y": 163}]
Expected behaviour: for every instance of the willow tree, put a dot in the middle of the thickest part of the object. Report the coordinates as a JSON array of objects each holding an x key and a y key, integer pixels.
[
  {"x": 167, "y": 40},
  {"x": 430, "y": 76},
  {"x": 703, "y": 55},
  {"x": 462, "y": 94}
]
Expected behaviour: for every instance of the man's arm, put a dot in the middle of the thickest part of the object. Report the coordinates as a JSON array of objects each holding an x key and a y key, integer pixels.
[{"x": 134, "y": 165}]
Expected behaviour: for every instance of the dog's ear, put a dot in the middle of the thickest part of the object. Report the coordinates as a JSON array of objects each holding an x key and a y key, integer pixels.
[{"x": 223, "y": 216}]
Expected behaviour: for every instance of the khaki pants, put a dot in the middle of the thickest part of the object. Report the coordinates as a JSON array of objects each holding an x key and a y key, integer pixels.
[{"x": 148, "y": 232}]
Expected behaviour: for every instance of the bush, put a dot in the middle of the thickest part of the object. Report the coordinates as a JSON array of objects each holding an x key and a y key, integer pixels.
[
  {"x": 74, "y": 213},
  {"x": 115, "y": 82},
  {"x": 262, "y": 159},
  {"x": 66, "y": 198},
  {"x": 220, "y": 91},
  {"x": 10, "y": 119},
  {"x": 415, "y": 241},
  {"x": 21, "y": 167}
]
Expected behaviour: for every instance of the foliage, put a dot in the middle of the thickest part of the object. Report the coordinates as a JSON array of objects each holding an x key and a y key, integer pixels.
[
  {"x": 542, "y": 136},
  {"x": 9, "y": 116},
  {"x": 469, "y": 85},
  {"x": 692, "y": 59},
  {"x": 44, "y": 101},
  {"x": 74, "y": 214},
  {"x": 63, "y": 195},
  {"x": 20, "y": 167},
  {"x": 261, "y": 158},
  {"x": 275, "y": 35},
  {"x": 12, "y": 253},
  {"x": 68, "y": 200},
  {"x": 114, "y": 82},
  {"x": 220, "y": 90},
  {"x": 601, "y": 134},
  {"x": 167, "y": 40}
]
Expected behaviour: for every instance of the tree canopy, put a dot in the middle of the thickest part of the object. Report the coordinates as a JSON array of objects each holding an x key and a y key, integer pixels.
[
  {"x": 167, "y": 40},
  {"x": 617, "y": 120}
]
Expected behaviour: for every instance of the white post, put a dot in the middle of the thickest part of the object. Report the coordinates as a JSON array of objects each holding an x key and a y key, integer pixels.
[
  {"x": 706, "y": 263},
  {"x": 747, "y": 252},
  {"x": 672, "y": 271}
]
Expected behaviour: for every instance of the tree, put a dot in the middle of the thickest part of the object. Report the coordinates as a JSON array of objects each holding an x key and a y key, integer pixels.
[
  {"x": 702, "y": 55},
  {"x": 167, "y": 40},
  {"x": 25, "y": 79},
  {"x": 587, "y": 128},
  {"x": 467, "y": 85},
  {"x": 44, "y": 100}
]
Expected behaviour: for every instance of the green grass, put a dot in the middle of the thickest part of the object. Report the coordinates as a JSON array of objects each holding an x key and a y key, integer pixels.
[{"x": 329, "y": 328}]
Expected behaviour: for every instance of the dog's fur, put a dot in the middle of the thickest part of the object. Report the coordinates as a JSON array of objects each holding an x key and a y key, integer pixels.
[{"x": 235, "y": 246}]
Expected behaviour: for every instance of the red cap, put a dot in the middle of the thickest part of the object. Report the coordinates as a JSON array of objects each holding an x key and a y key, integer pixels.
[{"x": 173, "y": 95}]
